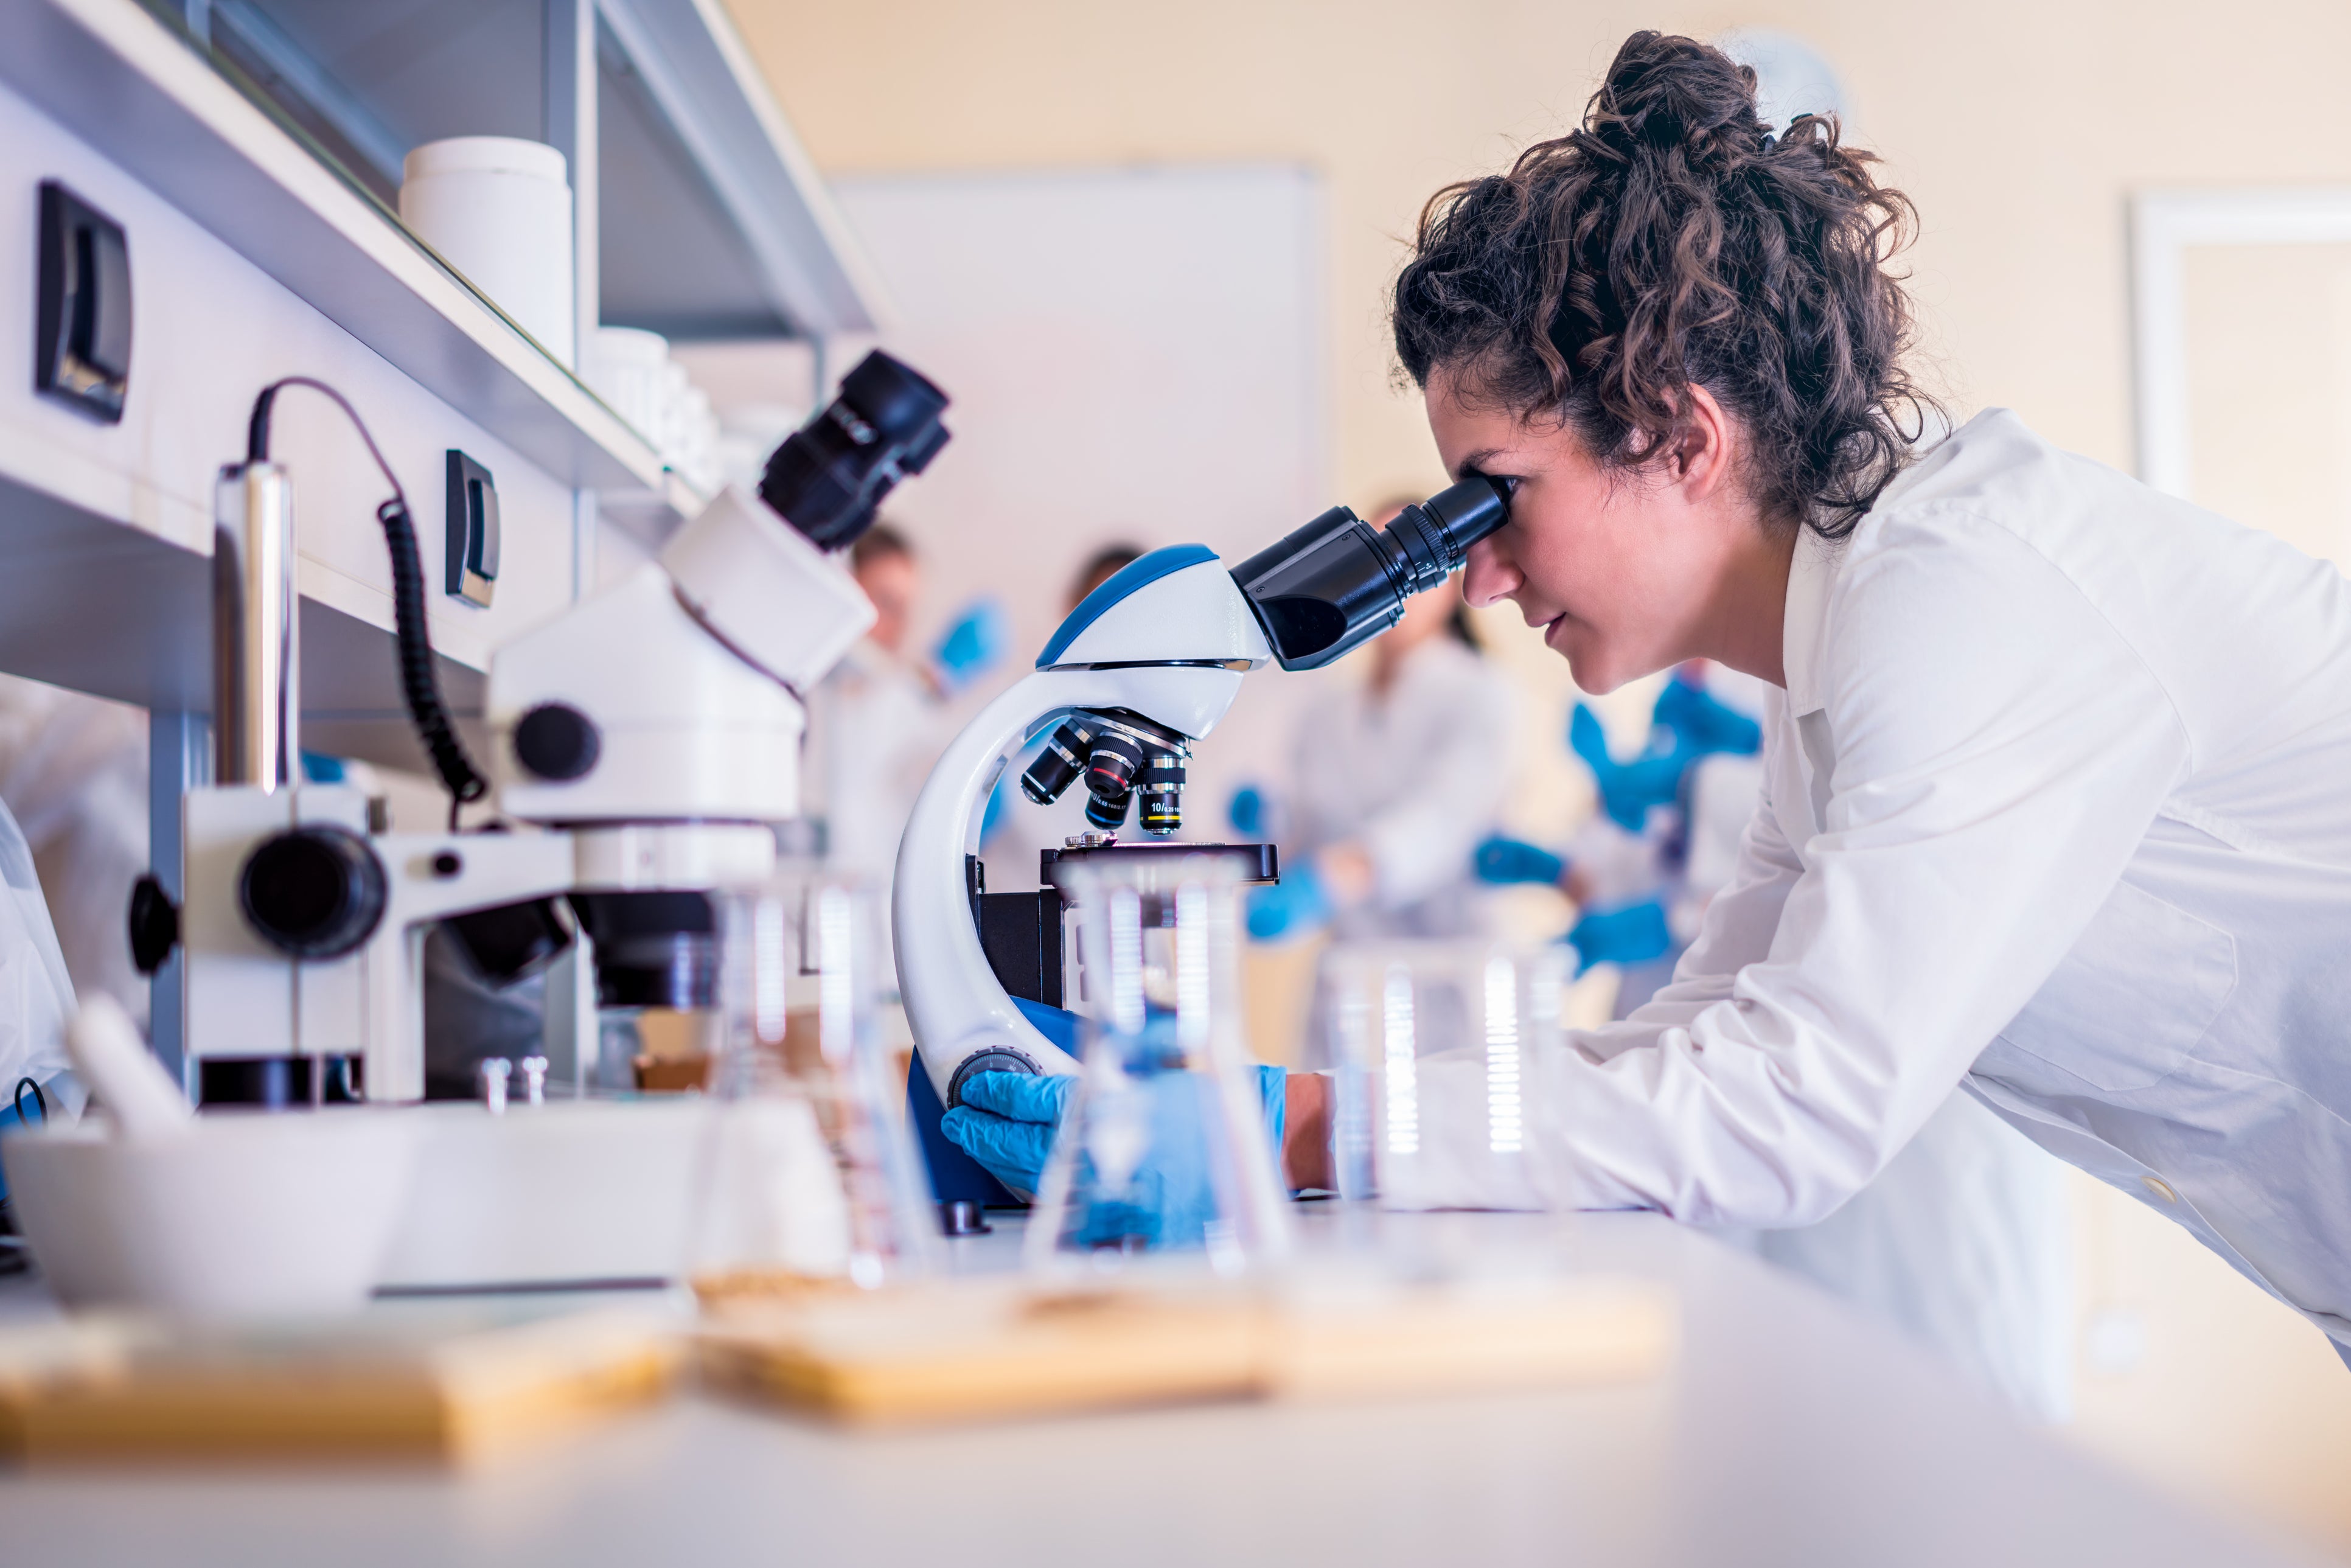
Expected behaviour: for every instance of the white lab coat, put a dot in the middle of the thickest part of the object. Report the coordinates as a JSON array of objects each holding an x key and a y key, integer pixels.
[
  {"x": 73, "y": 770},
  {"x": 874, "y": 730},
  {"x": 1962, "y": 1241},
  {"x": 2055, "y": 808},
  {"x": 1417, "y": 777},
  {"x": 36, "y": 996}
]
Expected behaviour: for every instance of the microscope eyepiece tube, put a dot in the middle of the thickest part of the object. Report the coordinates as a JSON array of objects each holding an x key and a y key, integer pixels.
[
  {"x": 1335, "y": 585},
  {"x": 829, "y": 475}
]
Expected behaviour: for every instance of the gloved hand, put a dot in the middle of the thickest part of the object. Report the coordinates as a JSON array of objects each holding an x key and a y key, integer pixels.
[
  {"x": 1702, "y": 723},
  {"x": 1627, "y": 789},
  {"x": 1246, "y": 812},
  {"x": 1505, "y": 862},
  {"x": 1632, "y": 935},
  {"x": 1008, "y": 1122},
  {"x": 1290, "y": 907},
  {"x": 971, "y": 646}
]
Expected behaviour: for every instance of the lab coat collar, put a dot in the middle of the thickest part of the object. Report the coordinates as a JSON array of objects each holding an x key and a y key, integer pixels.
[{"x": 1810, "y": 574}]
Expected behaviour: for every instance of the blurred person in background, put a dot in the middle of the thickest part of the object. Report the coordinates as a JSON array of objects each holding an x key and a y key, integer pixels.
[
  {"x": 879, "y": 720},
  {"x": 73, "y": 769},
  {"x": 1392, "y": 782},
  {"x": 73, "y": 840}
]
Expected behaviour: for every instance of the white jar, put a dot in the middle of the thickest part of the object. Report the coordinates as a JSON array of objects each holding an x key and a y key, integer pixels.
[
  {"x": 628, "y": 368},
  {"x": 498, "y": 209}
]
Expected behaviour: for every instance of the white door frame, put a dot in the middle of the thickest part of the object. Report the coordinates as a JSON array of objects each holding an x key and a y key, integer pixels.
[{"x": 2164, "y": 223}]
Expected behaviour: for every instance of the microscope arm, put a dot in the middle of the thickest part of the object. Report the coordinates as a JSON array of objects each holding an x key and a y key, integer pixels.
[{"x": 956, "y": 1006}]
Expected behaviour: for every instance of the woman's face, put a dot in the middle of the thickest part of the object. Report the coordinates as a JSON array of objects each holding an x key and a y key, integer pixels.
[{"x": 1617, "y": 567}]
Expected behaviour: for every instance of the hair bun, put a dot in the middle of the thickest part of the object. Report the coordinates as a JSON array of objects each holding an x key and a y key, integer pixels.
[{"x": 1665, "y": 94}]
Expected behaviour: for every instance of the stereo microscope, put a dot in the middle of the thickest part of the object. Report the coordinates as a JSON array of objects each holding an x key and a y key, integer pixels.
[{"x": 645, "y": 743}]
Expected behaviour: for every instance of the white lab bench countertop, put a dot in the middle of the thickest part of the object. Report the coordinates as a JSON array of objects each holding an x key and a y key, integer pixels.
[{"x": 1787, "y": 1431}]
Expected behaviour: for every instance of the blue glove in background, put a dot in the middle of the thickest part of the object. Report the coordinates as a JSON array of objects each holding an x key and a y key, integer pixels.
[
  {"x": 1703, "y": 725},
  {"x": 1632, "y": 935},
  {"x": 1627, "y": 789},
  {"x": 973, "y": 644},
  {"x": 1246, "y": 812},
  {"x": 1008, "y": 1120},
  {"x": 1290, "y": 907},
  {"x": 1505, "y": 862}
]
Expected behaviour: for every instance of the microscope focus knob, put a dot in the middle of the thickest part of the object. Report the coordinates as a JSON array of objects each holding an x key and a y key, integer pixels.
[
  {"x": 557, "y": 742},
  {"x": 316, "y": 892}
]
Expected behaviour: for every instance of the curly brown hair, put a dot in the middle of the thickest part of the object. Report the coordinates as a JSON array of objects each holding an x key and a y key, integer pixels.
[{"x": 1672, "y": 241}]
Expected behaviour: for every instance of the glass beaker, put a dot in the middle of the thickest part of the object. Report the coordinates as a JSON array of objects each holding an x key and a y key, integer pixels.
[
  {"x": 1164, "y": 1146},
  {"x": 809, "y": 1171},
  {"x": 1437, "y": 1051}
]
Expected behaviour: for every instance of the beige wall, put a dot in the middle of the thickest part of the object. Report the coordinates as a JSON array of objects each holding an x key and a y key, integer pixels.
[{"x": 2020, "y": 127}]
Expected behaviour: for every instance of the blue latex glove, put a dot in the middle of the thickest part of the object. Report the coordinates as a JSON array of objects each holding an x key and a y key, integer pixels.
[
  {"x": 1008, "y": 1120},
  {"x": 1246, "y": 812},
  {"x": 1701, "y": 723},
  {"x": 25, "y": 1107},
  {"x": 1627, "y": 789},
  {"x": 972, "y": 645},
  {"x": 1508, "y": 860},
  {"x": 317, "y": 768},
  {"x": 1631, "y": 935},
  {"x": 1290, "y": 907}
]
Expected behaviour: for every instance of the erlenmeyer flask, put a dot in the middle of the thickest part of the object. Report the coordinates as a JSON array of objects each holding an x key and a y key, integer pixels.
[
  {"x": 1438, "y": 1052},
  {"x": 809, "y": 1171},
  {"x": 1164, "y": 1146}
]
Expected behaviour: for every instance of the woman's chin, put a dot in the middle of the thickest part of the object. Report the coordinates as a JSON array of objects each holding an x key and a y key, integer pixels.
[{"x": 1595, "y": 673}]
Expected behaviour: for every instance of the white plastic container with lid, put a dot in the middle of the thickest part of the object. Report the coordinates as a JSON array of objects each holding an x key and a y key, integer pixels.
[
  {"x": 498, "y": 209},
  {"x": 626, "y": 367}
]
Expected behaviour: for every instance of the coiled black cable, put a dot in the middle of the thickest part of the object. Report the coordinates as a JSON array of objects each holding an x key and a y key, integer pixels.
[{"x": 417, "y": 683}]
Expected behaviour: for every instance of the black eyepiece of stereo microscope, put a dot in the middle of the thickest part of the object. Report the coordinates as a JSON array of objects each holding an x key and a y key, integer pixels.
[
  {"x": 1335, "y": 585},
  {"x": 829, "y": 475}
]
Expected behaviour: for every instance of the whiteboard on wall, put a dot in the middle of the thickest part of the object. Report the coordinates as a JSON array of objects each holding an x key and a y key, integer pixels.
[{"x": 1134, "y": 354}]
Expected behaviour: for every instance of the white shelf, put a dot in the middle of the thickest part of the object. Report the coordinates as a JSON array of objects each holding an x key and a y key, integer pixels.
[
  {"x": 651, "y": 514},
  {"x": 115, "y": 77}
]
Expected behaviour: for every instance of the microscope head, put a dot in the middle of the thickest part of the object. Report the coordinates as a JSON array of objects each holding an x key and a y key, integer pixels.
[{"x": 676, "y": 695}]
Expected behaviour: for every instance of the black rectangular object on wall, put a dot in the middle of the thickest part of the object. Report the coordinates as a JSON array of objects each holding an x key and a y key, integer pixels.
[
  {"x": 81, "y": 332},
  {"x": 472, "y": 558}
]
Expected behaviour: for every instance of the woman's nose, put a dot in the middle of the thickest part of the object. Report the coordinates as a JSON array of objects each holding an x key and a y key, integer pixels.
[{"x": 1488, "y": 577}]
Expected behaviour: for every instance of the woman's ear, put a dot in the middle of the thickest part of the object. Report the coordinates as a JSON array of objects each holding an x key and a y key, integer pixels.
[{"x": 1702, "y": 457}]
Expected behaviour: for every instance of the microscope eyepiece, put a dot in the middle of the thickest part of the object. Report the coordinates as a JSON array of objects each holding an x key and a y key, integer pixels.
[
  {"x": 829, "y": 476},
  {"x": 1335, "y": 583}
]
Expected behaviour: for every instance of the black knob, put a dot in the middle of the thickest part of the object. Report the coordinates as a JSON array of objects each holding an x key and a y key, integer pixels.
[
  {"x": 154, "y": 925},
  {"x": 555, "y": 741},
  {"x": 315, "y": 892}
]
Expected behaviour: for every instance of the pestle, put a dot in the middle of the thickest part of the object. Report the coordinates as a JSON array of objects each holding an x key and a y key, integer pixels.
[{"x": 117, "y": 1066}]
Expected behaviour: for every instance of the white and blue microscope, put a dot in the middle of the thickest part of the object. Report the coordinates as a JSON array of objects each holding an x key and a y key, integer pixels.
[{"x": 1145, "y": 667}]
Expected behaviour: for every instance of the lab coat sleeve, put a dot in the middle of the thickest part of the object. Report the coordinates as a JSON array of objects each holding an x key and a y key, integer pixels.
[
  {"x": 1424, "y": 842},
  {"x": 1988, "y": 754}
]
